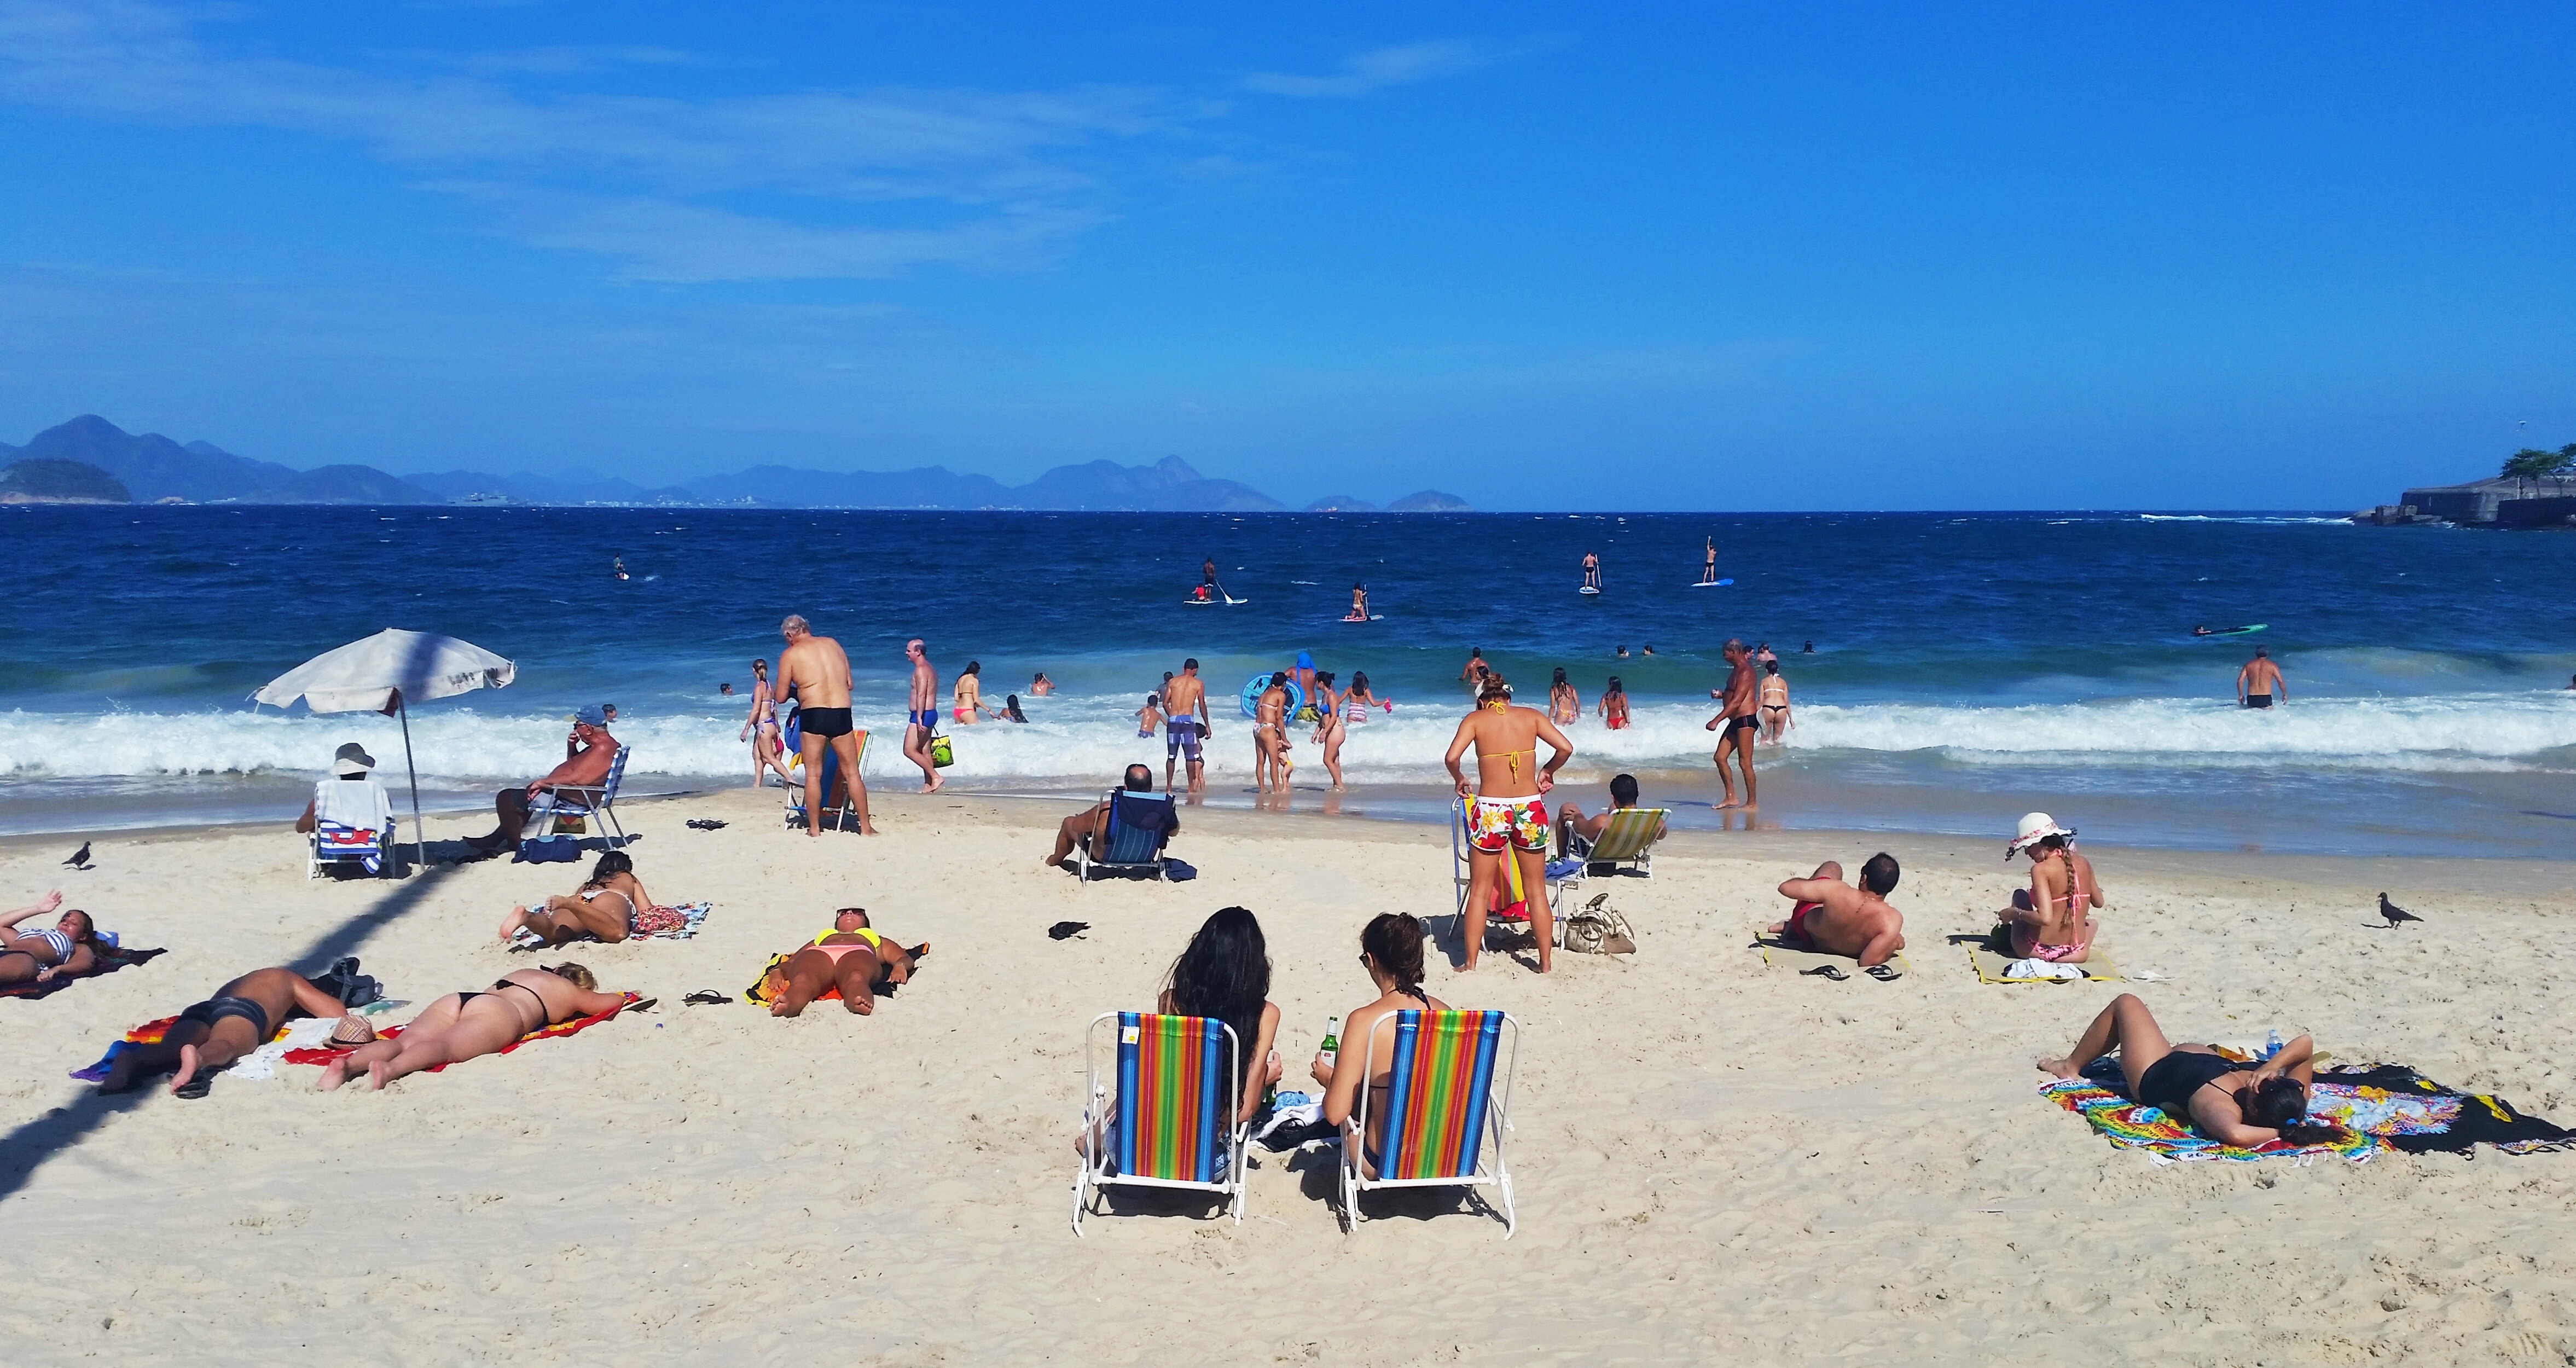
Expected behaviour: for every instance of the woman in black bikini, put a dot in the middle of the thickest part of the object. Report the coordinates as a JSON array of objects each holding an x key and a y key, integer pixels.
[
  {"x": 2242, "y": 1105},
  {"x": 462, "y": 1026},
  {"x": 1391, "y": 950}
]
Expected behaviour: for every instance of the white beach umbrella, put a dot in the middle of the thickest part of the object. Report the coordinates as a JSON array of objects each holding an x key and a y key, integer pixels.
[{"x": 387, "y": 673}]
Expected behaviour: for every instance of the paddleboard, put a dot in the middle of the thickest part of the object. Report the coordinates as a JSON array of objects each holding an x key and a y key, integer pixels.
[
  {"x": 1370, "y": 618},
  {"x": 1259, "y": 685},
  {"x": 1713, "y": 584},
  {"x": 2238, "y": 631},
  {"x": 1587, "y": 589}
]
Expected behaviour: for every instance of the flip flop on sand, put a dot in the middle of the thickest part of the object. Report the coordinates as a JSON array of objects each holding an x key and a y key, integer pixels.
[
  {"x": 1882, "y": 973},
  {"x": 705, "y": 997},
  {"x": 1826, "y": 971}
]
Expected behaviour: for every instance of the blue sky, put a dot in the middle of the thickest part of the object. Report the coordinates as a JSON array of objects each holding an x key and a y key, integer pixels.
[{"x": 1724, "y": 257}]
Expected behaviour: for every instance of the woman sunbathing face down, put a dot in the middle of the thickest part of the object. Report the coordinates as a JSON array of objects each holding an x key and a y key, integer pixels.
[
  {"x": 603, "y": 908},
  {"x": 851, "y": 957},
  {"x": 1391, "y": 951},
  {"x": 1224, "y": 974},
  {"x": 467, "y": 1025},
  {"x": 2243, "y": 1105}
]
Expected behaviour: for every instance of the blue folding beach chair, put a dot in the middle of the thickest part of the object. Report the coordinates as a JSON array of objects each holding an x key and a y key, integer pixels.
[
  {"x": 1132, "y": 837},
  {"x": 586, "y": 800}
]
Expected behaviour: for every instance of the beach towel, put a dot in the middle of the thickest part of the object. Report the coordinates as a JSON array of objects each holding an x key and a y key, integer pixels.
[
  {"x": 324, "y": 1055},
  {"x": 651, "y": 923},
  {"x": 2128, "y": 1125},
  {"x": 149, "y": 1033},
  {"x": 1990, "y": 967},
  {"x": 2406, "y": 1111},
  {"x": 109, "y": 961},
  {"x": 1774, "y": 953}
]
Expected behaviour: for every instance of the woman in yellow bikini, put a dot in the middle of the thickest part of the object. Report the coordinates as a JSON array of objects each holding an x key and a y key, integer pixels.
[
  {"x": 851, "y": 957},
  {"x": 1505, "y": 809}
]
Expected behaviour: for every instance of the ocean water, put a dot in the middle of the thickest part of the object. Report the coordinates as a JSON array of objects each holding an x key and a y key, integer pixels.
[{"x": 1966, "y": 667}]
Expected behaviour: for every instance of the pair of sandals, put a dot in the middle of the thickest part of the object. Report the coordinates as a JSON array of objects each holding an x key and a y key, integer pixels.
[
  {"x": 1881, "y": 972},
  {"x": 706, "y": 824}
]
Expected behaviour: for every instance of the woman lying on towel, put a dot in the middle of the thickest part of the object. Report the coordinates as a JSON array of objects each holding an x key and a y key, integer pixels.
[
  {"x": 1391, "y": 949},
  {"x": 610, "y": 906},
  {"x": 462, "y": 1026},
  {"x": 851, "y": 957},
  {"x": 2243, "y": 1105},
  {"x": 69, "y": 946}
]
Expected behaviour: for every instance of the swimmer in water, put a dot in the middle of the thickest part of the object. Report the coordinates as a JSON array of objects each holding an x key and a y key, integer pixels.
[{"x": 618, "y": 564}]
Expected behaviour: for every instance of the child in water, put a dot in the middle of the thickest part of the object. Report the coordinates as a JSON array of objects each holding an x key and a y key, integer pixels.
[{"x": 1149, "y": 717}]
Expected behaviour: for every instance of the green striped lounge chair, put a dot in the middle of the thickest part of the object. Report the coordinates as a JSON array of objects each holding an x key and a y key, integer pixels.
[
  {"x": 1628, "y": 840},
  {"x": 1445, "y": 1119},
  {"x": 1164, "y": 1115}
]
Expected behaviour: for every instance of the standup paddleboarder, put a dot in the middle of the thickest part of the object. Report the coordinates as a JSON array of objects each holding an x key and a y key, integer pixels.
[
  {"x": 1708, "y": 570},
  {"x": 1591, "y": 572}
]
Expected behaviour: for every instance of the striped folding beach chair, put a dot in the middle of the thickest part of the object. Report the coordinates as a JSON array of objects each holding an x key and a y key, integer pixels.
[
  {"x": 1444, "y": 1121},
  {"x": 1628, "y": 840},
  {"x": 581, "y": 800},
  {"x": 1124, "y": 845},
  {"x": 333, "y": 843},
  {"x": 1165, "y": 1116}
]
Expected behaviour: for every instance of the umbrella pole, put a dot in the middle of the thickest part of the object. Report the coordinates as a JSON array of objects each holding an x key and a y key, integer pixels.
[{"x": 419, "y": 846}]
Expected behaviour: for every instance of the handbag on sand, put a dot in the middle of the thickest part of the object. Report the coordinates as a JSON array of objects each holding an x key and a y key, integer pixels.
[{"x": 1597, "y": 929}]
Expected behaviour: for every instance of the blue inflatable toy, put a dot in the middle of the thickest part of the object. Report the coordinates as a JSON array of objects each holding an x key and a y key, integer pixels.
[{"x": 1260, "y": 685}]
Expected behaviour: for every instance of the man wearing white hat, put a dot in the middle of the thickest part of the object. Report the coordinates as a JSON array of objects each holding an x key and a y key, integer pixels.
[
  {"x": 2052, "y": 920},
  {"x": 353, "y": 802}
]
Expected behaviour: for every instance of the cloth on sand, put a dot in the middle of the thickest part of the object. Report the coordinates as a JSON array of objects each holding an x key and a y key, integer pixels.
[
  {"x": 324, "y": 1055},
  {"x": 650, "y": 923},
  {"x": 109, "y": 961},
  {"x": 1991, "y": 966},
  {"x": 2406, "y": 1111},
  {"x": 1774, "y": 953},
  {"x": 2128, "y": 1125}
]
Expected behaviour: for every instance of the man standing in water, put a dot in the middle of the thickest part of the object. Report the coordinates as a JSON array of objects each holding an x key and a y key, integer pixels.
[
  {"x": 1591, "y": 571},
  {"x": 1708, "y": 571},
  {"x": 1507, "y": 819},
  {"x": 1735, "y": 723},
  {"x": 1474, "y": 670},
  {"x": 1185, "y": 708},
  {"x": 923, "y": 717},
  {"x": 819, "y": 672},
  {"x": 2259, "y": 681}
]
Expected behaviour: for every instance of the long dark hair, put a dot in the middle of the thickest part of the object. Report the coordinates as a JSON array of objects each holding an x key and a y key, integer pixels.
[
  {"x": 2281, "y": 1103},
  {"x": 1225, "y": 973},
  {"x": 610, "y": 865},
  {"x": 1359, "y": 681}
]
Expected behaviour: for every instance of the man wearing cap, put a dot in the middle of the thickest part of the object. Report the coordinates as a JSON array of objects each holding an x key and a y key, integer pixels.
[
  {"x": 352, "y": 799},
  {"x": 593, "y": 750}
]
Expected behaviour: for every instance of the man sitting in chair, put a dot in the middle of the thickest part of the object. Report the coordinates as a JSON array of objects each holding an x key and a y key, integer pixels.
[
  {"x": 351, "y": 800},
  {"x": 593, "y": 751},
  {"x": 1573, "y": 826},
  {"x": 1088, "y": 826}
]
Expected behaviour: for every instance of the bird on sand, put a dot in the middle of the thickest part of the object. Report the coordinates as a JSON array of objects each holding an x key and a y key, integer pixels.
[
  {"x": 80, "y": 857},
  {"x": 2394, "y": 913}
]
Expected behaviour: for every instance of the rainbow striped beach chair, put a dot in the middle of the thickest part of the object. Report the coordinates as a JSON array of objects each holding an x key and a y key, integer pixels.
[
  {"x": 1165, "y": 1118},
  {"x": 1444, "y": 1120}
]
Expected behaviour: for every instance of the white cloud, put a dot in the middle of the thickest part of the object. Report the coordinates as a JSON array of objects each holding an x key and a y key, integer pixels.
[
  {"x": 1372, "y": 71},
  {"x": 972, "y": 177}
]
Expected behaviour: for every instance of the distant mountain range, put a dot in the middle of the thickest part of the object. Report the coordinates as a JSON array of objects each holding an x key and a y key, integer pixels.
[{"x": 156, "y": 469}]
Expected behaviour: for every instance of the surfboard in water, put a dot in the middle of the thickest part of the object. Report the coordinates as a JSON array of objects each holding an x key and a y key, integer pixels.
[{"x": 1587, "y": 589}]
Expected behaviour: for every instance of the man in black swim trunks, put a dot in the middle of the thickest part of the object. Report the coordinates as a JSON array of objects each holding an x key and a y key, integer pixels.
[
  {"x": 1736, "y": 723},
  {"x": 819, "y": 671},
  {"x": 210, "y": 1035},
  {"x": 2259, "y": 681}
]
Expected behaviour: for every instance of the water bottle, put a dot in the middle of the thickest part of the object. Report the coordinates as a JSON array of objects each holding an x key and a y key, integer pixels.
[{"x": 2272, "y": 1044}]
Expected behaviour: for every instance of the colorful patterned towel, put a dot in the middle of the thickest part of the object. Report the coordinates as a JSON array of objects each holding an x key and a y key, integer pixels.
[
  {"x": 108, "y": 963},
  {"x": 653, "y": 923},
  {"x": 2404, "y": 1110},
  {"x": 149, "y": 1033},
  {"x": 2127, "y": 1125},
  {"x": 325, "y": 1055}
]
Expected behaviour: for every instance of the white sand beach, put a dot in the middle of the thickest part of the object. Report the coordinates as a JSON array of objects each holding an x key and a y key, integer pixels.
[{"x": 1715, "y": 1161}]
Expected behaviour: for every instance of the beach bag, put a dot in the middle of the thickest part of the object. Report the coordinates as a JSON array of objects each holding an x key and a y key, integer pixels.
[
  {"x": 1597, "y": 929},
  {"x": 941, "y": 754},
  {"x": 551, "y": 850}
]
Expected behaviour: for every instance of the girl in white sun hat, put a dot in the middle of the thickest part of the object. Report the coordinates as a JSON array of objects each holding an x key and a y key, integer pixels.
[{"x": 2052, "y": 920}]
